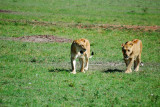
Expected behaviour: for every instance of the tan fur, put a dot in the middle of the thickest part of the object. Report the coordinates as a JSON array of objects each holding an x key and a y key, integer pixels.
[
  {"x": 132, "y": 54},
  {"x": 80, "y": 49}
]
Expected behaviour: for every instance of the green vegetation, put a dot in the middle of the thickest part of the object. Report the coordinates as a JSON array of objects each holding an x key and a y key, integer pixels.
[
  {"x": 137, "y": 12},
  {"x": 37, "y": 74}
]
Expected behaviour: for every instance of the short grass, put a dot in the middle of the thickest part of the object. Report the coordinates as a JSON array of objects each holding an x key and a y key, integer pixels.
[
  {"x": 37, "y": 74},
  {"x": 136, "y": 12}
]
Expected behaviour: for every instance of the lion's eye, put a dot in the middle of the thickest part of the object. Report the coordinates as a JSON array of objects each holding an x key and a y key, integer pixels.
[{"x": 128, "y": 50}]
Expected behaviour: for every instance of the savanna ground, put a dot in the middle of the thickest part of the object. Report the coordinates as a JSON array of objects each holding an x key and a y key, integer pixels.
[{"x": 35, "y": 39}]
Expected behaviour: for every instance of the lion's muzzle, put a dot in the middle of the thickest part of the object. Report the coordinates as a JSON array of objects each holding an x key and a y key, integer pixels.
[
  {"x": 82, "y": 51},
  {"x": 126, "y": 57}
]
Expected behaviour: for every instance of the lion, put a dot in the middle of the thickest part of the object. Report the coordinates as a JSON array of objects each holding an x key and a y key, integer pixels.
[
  {"x": 80, "y": 49},
  {"x": 132, "y": 51}
]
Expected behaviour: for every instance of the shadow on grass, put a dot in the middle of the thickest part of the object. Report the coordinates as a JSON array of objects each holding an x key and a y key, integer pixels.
[
  {"x": 113, "y": 70},
  {"x": 59, "y": 70}
]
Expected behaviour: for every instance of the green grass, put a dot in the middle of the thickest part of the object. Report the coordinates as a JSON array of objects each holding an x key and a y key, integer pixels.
[
  {"x": 37, "y": 74},
  {"x": 85, "y": 11}
]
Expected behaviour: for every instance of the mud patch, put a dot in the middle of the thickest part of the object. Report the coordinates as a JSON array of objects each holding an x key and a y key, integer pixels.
[
  {"x": 39, "y": 38},
  {"x": 6, "y": 11},
  {"x": 120, "y": 27},
  {"x": 105, "y": 66},
  {"x": 112, "y": 64},
  {"x": 89, "y": 26},
  {"x": 100, "y": 66}
]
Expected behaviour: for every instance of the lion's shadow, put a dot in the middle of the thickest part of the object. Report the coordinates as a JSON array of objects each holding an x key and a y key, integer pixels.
[
  {"x": 69, "y": 70},
  {"x": 113, "y": 70},
  {"x": 59, "y": 70}
]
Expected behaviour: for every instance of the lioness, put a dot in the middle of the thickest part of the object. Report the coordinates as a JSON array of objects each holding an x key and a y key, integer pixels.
[
  {"x": 132, "y": 53},
  {"x": 80, "y": 49}
]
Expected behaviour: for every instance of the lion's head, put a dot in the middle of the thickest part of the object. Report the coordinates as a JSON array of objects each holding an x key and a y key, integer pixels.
[
  {"x": 127, "y": 49},
  {"x": 81, "y": 44}
]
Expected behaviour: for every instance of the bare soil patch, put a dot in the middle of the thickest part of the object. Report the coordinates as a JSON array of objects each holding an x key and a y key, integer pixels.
[
  {"x": 39, "y": 38},
  {"x": 89, "y": 26},
  {"x": 101, "y": 66},
  {"x": 121, "y": 27},
  {"x": 6, "y": 11},
  {"x": 105, "y": 67}
]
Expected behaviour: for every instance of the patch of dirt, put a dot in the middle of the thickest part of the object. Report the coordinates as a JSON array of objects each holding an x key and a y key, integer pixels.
[
  {"x": 39, "y": 38},
  {"x": 89, "y": 26},
  {"x": 112, "y": 64},
  {"x": 121, "y": 27},
  {"x": 92, "y": 66},
  {"x": 103, "y": 66},
  {"x": 6, "y": 11}
]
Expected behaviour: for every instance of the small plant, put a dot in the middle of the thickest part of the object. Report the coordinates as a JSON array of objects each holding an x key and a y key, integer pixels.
[
  {"x": 33, "y": 60},
  {"x": 14, "y": 0},
  {"x": 145, "y": 9},
  {"x": 71, "y": 84}
]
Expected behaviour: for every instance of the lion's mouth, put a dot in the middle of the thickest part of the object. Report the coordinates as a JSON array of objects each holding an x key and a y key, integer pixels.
[{"x": 126, "y": 58}]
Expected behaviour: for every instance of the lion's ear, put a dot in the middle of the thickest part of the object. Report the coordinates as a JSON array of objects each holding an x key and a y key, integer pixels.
[
  {"x": 74, "y": 41},
  {"x": 122, "y": 45}
]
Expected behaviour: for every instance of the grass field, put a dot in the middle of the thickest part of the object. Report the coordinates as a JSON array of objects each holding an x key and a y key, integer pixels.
[{"x": 38, "y": 73}]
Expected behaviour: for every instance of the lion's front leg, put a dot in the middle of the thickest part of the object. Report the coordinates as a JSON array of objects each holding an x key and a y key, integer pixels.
[
  {"x": 81, "y": 60},
  {"x": 136, "y": 64},
  {"x": 129, "y": 64},
  {"x": 73, "y": 64}
]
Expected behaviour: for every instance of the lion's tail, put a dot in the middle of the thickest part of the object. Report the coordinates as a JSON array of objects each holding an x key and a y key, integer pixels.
[{"x": 91, "y": 55}]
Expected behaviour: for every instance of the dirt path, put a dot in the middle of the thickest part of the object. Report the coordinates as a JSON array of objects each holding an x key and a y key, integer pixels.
[
  {"x": 6, "y": 11},
  {"x": 38, "y": 38},
  {"x": 107, "y": 67},
  {"x": 89, "y": 26}
]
